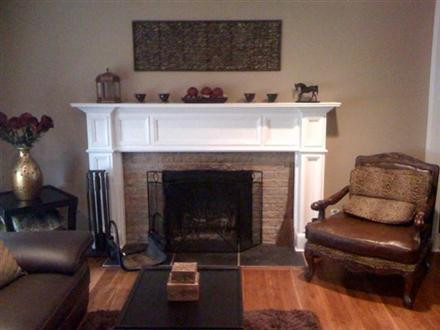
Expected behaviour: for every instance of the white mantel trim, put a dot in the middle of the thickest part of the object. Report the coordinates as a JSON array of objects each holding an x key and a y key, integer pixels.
[{"x": 223, "y": 127}]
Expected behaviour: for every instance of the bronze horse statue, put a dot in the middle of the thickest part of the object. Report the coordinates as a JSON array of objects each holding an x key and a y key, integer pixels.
[{"x": 303, "y": 88}]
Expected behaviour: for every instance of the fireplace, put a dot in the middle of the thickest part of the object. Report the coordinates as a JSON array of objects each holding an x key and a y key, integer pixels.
[
  {"x": 206, "y": 210},
  {"x": 297, "y": 128}
]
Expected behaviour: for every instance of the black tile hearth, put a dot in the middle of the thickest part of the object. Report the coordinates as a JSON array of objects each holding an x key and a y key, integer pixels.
[
  {"x": 271, "y": 255},
  {"x": 262, "y": 255},
  {"x": 208, "y": 259}
]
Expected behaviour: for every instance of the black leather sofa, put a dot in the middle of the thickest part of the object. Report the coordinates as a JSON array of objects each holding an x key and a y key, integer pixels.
[{"x": 54, "y": 293}]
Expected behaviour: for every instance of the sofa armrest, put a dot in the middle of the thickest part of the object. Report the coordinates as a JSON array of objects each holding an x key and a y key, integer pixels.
[
  {"x": 321, "y": 205},
  {"x": 48, "y": 252}
]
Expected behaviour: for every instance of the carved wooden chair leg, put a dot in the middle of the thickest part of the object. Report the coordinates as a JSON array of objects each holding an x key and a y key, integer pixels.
[
  {"x": 310, "y": 271},
  {"x": 408, "y": 292},
  {"x": 428, "y": 261},
  {"x": 412, "y": 284}
]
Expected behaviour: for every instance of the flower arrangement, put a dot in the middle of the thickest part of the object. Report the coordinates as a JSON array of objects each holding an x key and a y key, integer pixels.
[{"x": 25, "y": 130}]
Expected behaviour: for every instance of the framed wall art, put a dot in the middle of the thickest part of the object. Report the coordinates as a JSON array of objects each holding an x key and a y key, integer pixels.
[{"x": 207, "y": 45}]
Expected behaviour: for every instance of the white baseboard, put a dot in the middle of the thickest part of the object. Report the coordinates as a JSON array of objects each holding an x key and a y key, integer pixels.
[
  {"x": 436, "y": 243},
  {"x": 300, "y": 242}
]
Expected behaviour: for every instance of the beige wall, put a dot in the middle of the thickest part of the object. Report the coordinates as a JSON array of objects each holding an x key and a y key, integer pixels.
[
  {"x": 3, "y": 168},
  {"x": 373, "y": 57}
]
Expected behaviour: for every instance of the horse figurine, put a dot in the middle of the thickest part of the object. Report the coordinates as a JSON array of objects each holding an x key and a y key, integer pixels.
[{"x": 303, "y": 89}]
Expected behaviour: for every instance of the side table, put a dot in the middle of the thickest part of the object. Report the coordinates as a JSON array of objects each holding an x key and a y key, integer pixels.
[{"x": 50, "y": 198}]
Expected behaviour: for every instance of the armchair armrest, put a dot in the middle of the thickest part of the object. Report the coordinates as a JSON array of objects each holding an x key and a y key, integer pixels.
[
  {"x": 419, "y": 220},
  {"x": 48, "y": 252},
  {"x": 423, "y": 220},
  {"x": 321, "y": 205},
  {"x": 422, "y": 226}
]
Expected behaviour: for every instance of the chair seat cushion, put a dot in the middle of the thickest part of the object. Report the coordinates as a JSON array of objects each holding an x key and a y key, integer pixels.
[
  {"x": 363, "y": 237},
  {"x": 380, "y": 210}
]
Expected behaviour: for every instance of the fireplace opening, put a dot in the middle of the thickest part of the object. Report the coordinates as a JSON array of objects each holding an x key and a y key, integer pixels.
[{"x": 206, "y": 210}]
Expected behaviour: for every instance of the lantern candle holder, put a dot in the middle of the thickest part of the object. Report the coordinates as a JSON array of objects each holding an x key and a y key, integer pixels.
[{"x": 108, "y": 88}]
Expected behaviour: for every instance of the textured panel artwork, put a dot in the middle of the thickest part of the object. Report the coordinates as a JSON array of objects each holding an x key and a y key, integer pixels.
[{"x": 207, "y": 45}]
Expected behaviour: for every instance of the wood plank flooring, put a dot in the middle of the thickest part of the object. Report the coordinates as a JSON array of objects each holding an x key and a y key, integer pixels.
[{"x": 340, "y": 299}]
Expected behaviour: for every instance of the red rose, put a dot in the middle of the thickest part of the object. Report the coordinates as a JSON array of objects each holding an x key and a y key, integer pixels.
[
  {"x": 45, "y": 124},
  {"x": 33, "y": 124},
  {"x": 33, "y": 121},
  {"x": 14, "y": 123},
  {"x": 25, "y": 116},
  {"x": 27, "y": 119},
  {"x": 3, "y": 119}
]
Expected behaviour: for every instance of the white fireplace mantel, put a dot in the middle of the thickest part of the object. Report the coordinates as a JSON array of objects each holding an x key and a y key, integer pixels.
[{"x": 227, "y": 127}]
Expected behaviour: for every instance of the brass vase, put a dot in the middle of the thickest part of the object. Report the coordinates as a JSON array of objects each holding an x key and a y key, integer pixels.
[{"x": 27, "y": 178}]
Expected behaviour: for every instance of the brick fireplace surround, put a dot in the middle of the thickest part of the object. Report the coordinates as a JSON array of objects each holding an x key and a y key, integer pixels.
[
  {"x": 286, "y": 141},
  {"x": 277, "y": 169}
]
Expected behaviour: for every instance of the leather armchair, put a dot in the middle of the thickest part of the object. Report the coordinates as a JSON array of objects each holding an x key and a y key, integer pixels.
[
  {"x": 54, "y": 293},
  {"x": 361, "y": 245}
]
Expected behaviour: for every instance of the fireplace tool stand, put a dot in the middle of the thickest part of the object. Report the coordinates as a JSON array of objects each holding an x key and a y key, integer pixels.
[{"x": 106, "y": 235}]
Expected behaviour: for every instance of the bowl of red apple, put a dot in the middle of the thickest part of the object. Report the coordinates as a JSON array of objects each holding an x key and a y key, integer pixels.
[{"x": 205, "y": 95}]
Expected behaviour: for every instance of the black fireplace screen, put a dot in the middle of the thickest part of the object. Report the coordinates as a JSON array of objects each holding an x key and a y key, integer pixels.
[{"x": 206, "y": 211}]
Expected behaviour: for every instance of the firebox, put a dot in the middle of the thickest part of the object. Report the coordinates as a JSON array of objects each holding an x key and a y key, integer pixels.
[{"x": 206, "y": 210}]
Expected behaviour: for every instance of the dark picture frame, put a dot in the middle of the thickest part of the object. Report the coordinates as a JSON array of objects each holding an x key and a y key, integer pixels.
[{"x": 235, "y": 45}]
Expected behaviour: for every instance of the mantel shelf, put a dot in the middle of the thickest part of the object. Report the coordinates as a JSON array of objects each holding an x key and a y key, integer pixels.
[
  {"x": 284, "y": 105},
  {"x": 321, "y": 107}
]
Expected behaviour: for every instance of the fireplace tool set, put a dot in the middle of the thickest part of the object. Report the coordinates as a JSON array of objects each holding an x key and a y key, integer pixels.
[{"x": 105, "y": 231}]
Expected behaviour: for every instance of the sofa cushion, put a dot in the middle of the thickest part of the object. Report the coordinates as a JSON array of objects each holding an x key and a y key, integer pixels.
[
  {"x": 397, "y": 184},
  {"x": 362, "y": 237},
  {"x": 42, "y": 301},
  {"x": 9, "y": 269},
  {"x": 48, "y": 251},
  {"x": 380, "y": 210}
]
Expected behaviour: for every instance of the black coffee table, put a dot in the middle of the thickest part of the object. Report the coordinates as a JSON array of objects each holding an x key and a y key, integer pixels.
[{"x": 219, "y": 307}]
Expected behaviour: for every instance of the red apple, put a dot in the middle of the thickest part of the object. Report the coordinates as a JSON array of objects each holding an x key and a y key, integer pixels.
[
  {"x": 217, "y": 92},
  {"x": 192, "y": 92},
  {"x": 206, "y": 92}
]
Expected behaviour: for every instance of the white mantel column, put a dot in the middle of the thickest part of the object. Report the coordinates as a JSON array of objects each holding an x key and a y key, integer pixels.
[
  {"x": 102, "y": 156},
  {"x": 309, "y": 187},
  {"x": 309, "y": 172}
]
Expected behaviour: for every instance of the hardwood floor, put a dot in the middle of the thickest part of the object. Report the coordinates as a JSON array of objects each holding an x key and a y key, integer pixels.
[{"x": 340, "y": 299}]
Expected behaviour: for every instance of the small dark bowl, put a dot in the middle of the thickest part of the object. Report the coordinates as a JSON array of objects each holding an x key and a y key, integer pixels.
[
  {"x": 249, "y": 97},
  {"x": 271, "y": 97},
  {"x": 140, "y": 97},
  {"x": 164, "y": 97}
]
